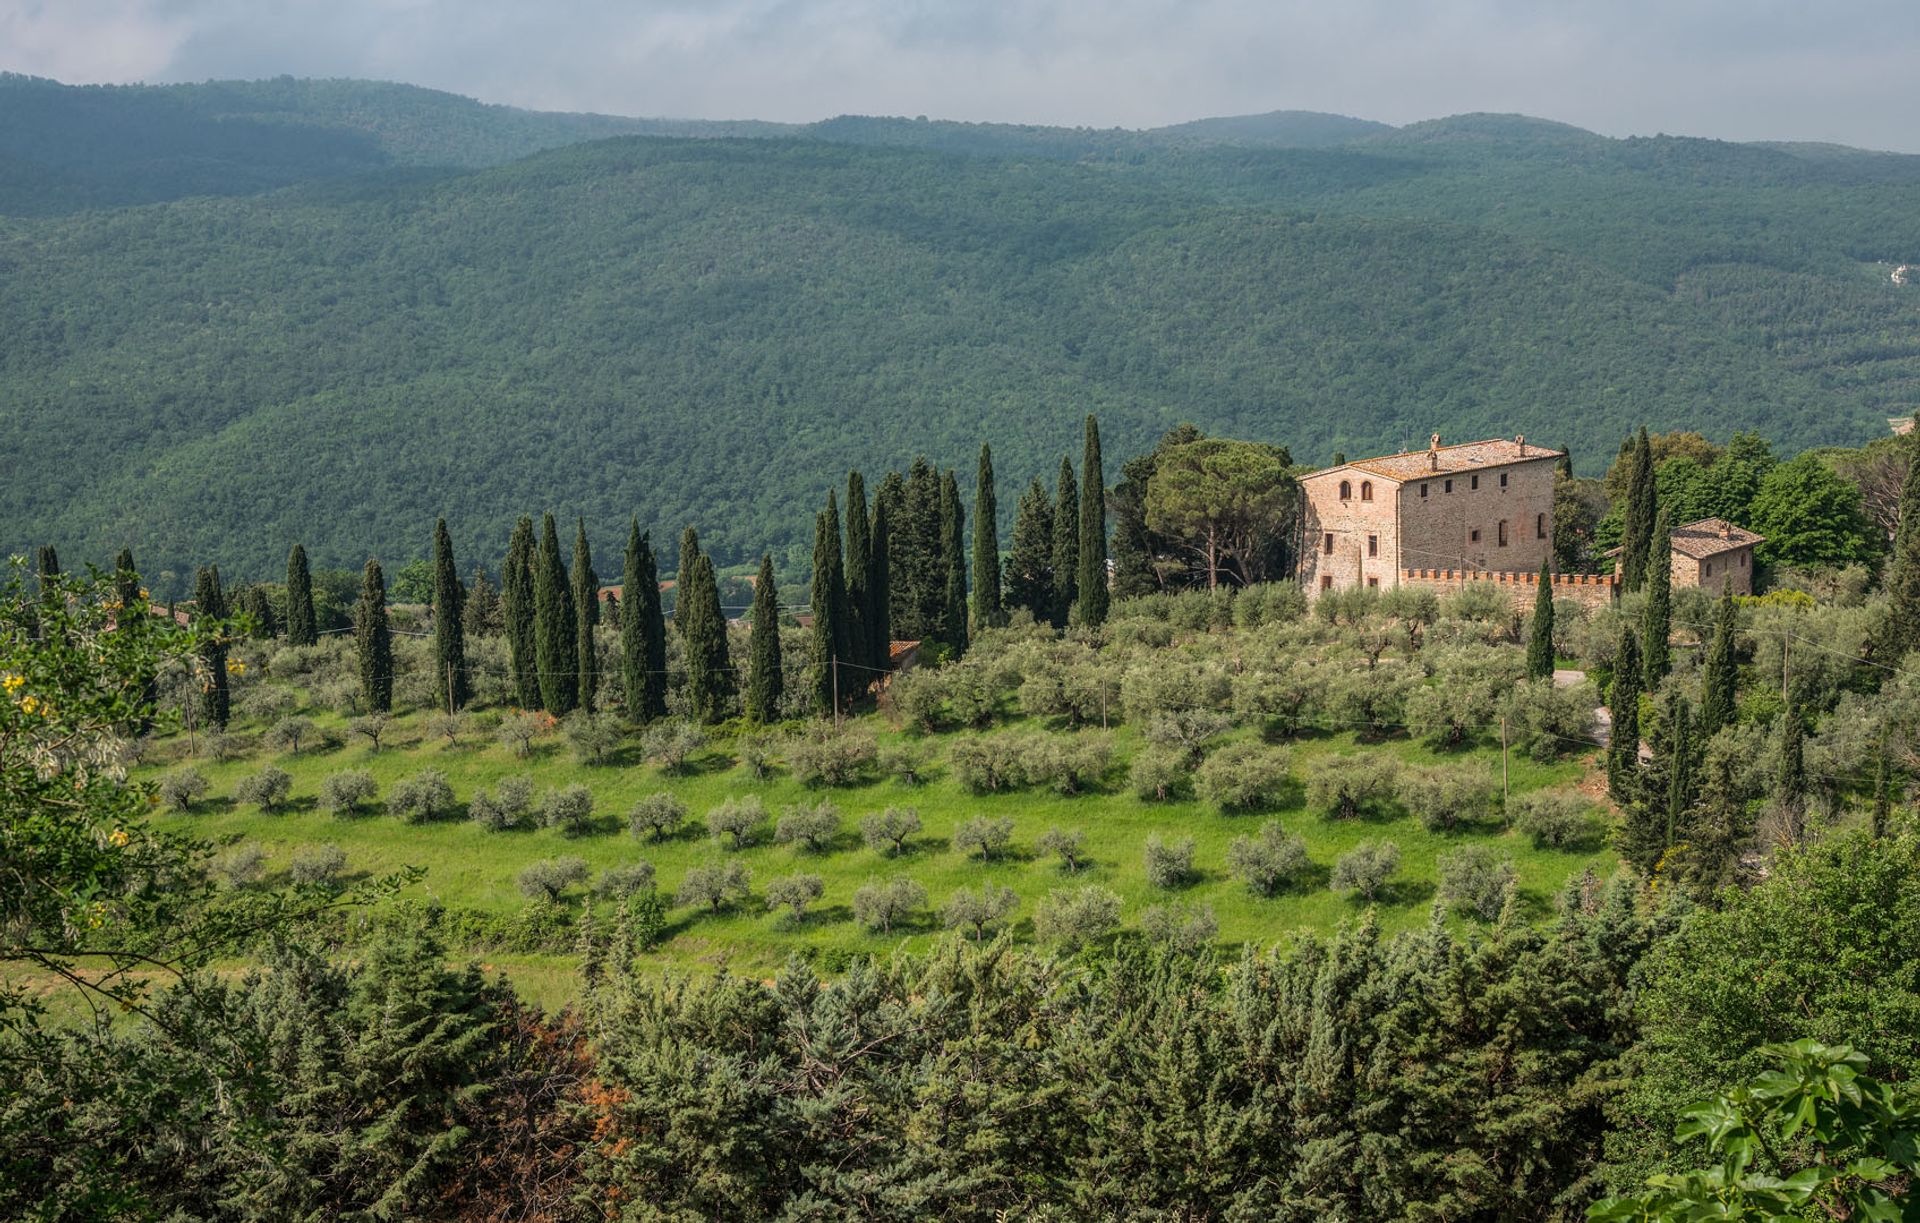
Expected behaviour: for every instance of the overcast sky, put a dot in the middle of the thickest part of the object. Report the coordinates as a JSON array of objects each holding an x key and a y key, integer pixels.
[{"x": 1841, "y": 70}]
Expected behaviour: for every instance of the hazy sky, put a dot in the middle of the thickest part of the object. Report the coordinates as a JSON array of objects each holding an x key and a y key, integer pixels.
[{"x": 1843, "y": 70}]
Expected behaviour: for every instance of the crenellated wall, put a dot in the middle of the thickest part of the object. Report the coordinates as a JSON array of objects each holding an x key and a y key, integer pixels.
[{"x": 1590, "y": 589}]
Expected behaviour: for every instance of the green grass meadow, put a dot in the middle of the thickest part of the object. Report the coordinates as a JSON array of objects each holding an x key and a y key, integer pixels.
[{"x": 468, "y": 866}]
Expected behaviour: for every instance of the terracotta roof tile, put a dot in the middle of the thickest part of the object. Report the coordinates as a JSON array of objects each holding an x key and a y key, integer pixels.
[
  {"x": 1446, "y": 460},
  {"x": 1710, "y": 537}
]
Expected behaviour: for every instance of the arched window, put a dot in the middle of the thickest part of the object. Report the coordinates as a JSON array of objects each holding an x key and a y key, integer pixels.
[
  {"x": 1366, "y": 490},
  {"x": 1346, "y": 490}
]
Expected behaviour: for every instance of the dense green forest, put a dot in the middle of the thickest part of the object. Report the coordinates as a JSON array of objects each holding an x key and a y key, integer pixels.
[{"x": 694, "y": 328}]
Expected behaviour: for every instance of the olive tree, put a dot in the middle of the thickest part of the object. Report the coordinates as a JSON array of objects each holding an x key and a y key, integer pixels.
[
  {"x": 1366, "y": 869},
  {"x": 657, "y": 816},
  {"x": 1069, "y": 845},
  {"x": 812, "y": 826},
  {"x": 1072, "y": 918},
  {"x": 343, "y": 793},
  {"x": 984, "y": 835},
  {"x": 266, "y": 789},
  {"x": 978, "y": 910},
  {"x": 887, "y": 831},
  {"x": 421, "y": 798},
  {"x": 1243, "y": 777},
  {"x": 1268, "y": 861},
  {"x": 794, "y": 893},
  {"x": 567, "y": 807},
  {"x": 182, "y": 789},
  {"x": 715, "y": 885},
  {"x": 548, "y": 878},
  {"x": 1169, "y": 863},
  {"x": 878, "y": 905},
  {"x": 1348, "y": 787},
  {"x": 1477, "y": 879},
  {"x": 1179, "y": 926},
  {"x": 734, "y": 821}
]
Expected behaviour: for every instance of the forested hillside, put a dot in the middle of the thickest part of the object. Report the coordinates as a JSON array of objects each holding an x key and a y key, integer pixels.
[{"x": 697, "y": 330}]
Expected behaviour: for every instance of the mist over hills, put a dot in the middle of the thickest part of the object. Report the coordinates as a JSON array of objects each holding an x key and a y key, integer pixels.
[{"x": 244, "y": 313}]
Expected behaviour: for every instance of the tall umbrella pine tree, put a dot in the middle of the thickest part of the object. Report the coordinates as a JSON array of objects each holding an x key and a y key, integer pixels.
[
  {"x": 1656, "y": 618},
  {"x": 1092, "y": 579},
  {"x": 517, "y": 614},
  {"x": 857, "y": 563},
  {"x": 586, "y": 617},
  {"x": 373, "y": 640},
  {"x": 301, "y": 627},
  {"x": 1636, "y": 533},
  {"x": 710, "y": 682},
  {"x": 879, "y": 627},
  {"x": 988, "y": 612},
  {"x": 954, "y": 547},
  {"x": 555, "y": 639},
  {"x": 449, "y": 623},
  {"x": 1066, "y": 545},
  {"x": 1030, "y": 560},
  {"x": 1540, "y": 639},
  {"x": 1902, "y": 634},
  {"x": 825, "y": 640},
  {"x": 643, "y": 634},
  {"x": 763, "y": 654},
  {"x": 211, "y": 602}
]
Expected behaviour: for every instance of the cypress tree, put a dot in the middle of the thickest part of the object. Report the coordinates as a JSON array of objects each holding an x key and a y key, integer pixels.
[
  {"x": 1656, "y": 620},
  {"x": 763, "y": 677},
  {"x": 586, "y": 616},
  {"x": 1092, "y": 580},
  {"x": 1679, "y": 771},
  {"x": 1066, "y": 545},
  {"x": 1902, "y": 634},
  {"x": 1720, "y": 676},
  {"x": 480, "y": 610},
  {"x": 879, "y": 629},
  {"x": 516, "y": 614},
  {"x": 689, "y": 559},
  {"x": 1030, "y": 562},
  {"x": 449, "y": 625},
  {"x": 258, "y": 608},
  {"x": 610, "y": 611},
  {"x": 373, "y": 640},
  {"x": 1623, "y": 705},
  {"x": 1636, "y": 533},
  {"x": 987, "y": 609},
  {"x": 210, "y": 601},
  {"x": 858, "y": 565},
  {"x": 48, "y": 566},
  {"x": 556, "y": 645},
  {"x": 1540, "y": 641},
  {"x": 126, "y": 588},
  {"x": 710, "y": 683},
  {"x": 828, "y": 603},
  {"x": 953, "y": 526},
  {"x": 643, "y": 634},
  {"x": 302, "y": 629},
  {"x": 917, "y": 555}
]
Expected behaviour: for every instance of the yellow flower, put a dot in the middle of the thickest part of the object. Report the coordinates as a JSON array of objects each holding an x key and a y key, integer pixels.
[
  {"x": 29, "y": 703},
  {"x": 143, "y": 592},
  {"x": 13, "y": 682},
  {"x": 119, "y": 838},
  {"x": 236, "y": 667}
]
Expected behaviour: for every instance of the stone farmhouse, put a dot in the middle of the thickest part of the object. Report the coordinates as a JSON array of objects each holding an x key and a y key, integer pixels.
[
  {"x": 1444, "y": 517},
  {"x": 1712, "y": 553}
]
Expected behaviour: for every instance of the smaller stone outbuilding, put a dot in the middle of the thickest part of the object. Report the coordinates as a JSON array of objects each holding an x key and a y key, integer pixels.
[
  {"x": 1710, "y": 554},
  {"x": 1713, "y": 552}
]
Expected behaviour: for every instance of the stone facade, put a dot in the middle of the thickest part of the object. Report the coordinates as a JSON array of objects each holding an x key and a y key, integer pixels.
[
  {"x": 1479, "y": 507},
  {"x": 1592, "y": 590},
  {"x": 1712, "y": 553}
]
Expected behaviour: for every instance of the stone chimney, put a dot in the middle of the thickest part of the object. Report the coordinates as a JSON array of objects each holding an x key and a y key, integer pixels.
[
  {"x": 1726, "y": 529},
  {"x": 1520, "y": 440},
  {"x": 1433, "y": 453}
]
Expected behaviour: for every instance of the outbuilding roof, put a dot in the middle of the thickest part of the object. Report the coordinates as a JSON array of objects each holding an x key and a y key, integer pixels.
[
  {"x": 1438, "y": 460},
  {"x": 1711, "y": 537}
]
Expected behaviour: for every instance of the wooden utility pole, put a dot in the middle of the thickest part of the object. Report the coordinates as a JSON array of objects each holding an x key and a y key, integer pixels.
[
  {"x": 836, "y": 691},
  {"x": 1506, "y": 790}
]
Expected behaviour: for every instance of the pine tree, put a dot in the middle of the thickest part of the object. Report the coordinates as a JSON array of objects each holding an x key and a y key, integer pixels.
[
  {"x": 517, "y": 614},
  {"x": 586, "y": 617},
  {"x": 1091, "y": 583},
  {"x": 1066, "y": 545},
  {"x": 1030, "y": 562},
  {"x": 643, "y": 634},
  {"x": 858, "y": 564},
  {"x": 480, "y": 613},
  {"x": 1902, "y": 634},
  {"x": 301, "y": 626},
  {"x": 953, "y": 619},
  {"x": 710, "y": 681},
  {"x": 1636, "y": 535},
  {"x": 1720, "y": 676},
  {"x": 211, "y": 602},
  {"x": 987, "y": 610},
  {"x": 1623, "y": 705},
  {"x": 763, "y": 654},
  {"x": 1656, "y": 620},
  {"x": 373, "y": 640},
  {"x": 1540, "y": 642},
  {"x": 827, "y": 601},
  {"x": 879, "y": 628},
  {"x": 556, "y": 644},
  {"x": 449, "y": 625}
]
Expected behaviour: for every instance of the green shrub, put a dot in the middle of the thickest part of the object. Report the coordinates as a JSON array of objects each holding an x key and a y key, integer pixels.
[
  {"x": 1169, "y": 863},
  {"x": 343, "y": 793},
  {"x": 657, "y": 816},
  {"x": 548, "y": 878},
  {"x": 1268, "y": 861},
  {"x": 181, "y": 790},
  {"x": 421, "y": 798},
  {"x": 266, "y": 789},
  {"x": 1072, "y": 918},
  {"x": 1366, "y": 869},
  {"x": 879, "y": 905},
  {"x": 1243, "y": 777}
]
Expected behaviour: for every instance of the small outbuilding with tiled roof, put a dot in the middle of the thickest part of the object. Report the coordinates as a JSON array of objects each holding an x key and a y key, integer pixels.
[{"x": 1714, "y": 552}]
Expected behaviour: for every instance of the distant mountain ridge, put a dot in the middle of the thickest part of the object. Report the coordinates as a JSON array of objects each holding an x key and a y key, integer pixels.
[{"x": 336, "y": 311}]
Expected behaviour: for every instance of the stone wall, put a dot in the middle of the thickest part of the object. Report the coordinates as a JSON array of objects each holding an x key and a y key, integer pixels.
[{"x": 1588, "y": 589}]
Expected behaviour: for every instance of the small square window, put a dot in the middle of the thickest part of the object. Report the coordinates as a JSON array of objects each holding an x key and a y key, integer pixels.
[
  {"x": 1373, "y": 545},
  {"x": 1449, "y": 487},
  {"x": 1475, "y": 536},
  {"x": 1373, "y": 581},
  {"x": 1326, "y": 581},
  {"x": 1475, "y": 482}
]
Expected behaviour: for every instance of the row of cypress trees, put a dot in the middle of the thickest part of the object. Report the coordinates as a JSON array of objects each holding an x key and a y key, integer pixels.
[{"x": 1057, "y": 566}]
